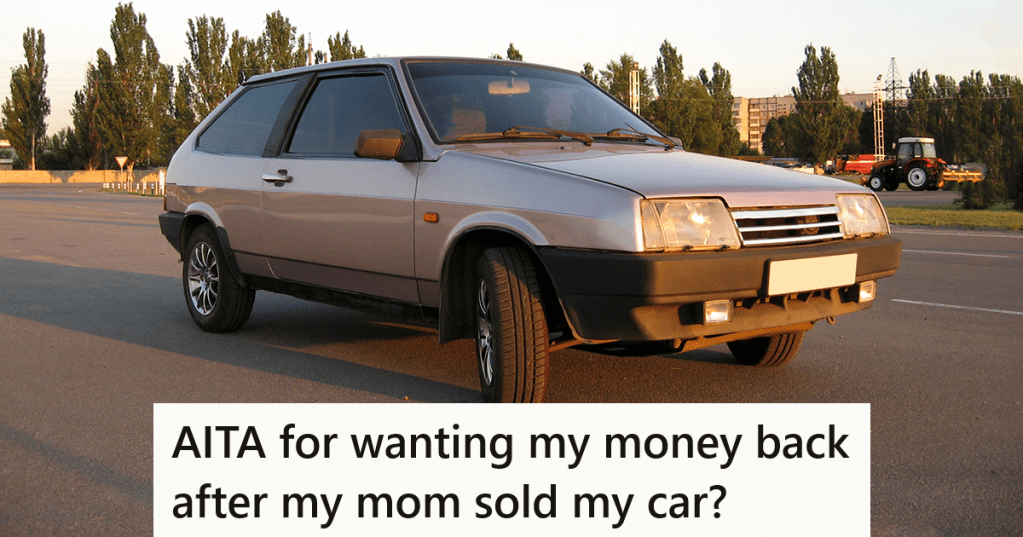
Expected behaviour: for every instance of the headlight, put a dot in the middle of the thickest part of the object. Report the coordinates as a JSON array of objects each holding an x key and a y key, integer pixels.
[
  {"x": 687, "y": 225},
  {"x": 861, "y": 215}
]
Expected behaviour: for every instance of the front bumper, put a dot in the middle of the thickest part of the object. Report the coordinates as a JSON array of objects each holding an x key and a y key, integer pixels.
[{"x": 659, "y": 296}]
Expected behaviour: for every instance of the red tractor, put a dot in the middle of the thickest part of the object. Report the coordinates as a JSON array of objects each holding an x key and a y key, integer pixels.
[{"x": 917, "y": 164}]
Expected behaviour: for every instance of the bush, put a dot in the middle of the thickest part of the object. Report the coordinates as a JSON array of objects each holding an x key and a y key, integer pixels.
[
  {"x": 979, "y": 195},
  {"x": 1017, "y": 195}
]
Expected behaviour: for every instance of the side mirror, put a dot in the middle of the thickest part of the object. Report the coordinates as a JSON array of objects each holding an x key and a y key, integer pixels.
[{"x": 386, "y": 144}]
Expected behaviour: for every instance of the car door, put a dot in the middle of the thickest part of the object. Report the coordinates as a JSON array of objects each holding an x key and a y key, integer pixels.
[
  {"x": 330, "y": 218},
  {"x": 228, "y": 161}
]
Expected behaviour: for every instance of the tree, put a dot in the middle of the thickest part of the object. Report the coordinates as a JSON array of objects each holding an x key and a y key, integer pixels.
[
  {"x": 24, "y": 112},
  {"x": 851, "y": 144},
  {"x": 699, "y": 119},
  {"x": 615, "y": 80},
  {"x": 207, "y": 65},
  {"x": 773, "y": 140},
  {"x": 61, "y": 152},
  {"x": 244, "y": 59},
  {"x": 184, "y": 119},
  {"x": 280, "y": 45},
  {"x": 83, "y": 115},
  {"x": 919, "y": 98},
  {"x": 513, "y": 53},
  {"x": 719, "y": 86},
  {"x": 341, "y": 48},
  {"x": 669, "y": 110},
  {"x": 589, "y": 72},
  {"x": 166, "y": 125},
  {"x": 783, "y": 137},
  {"x": 820, "y": 105},
  {"x": 128, "y": 117},
  {"x": 683, "y": 107}
]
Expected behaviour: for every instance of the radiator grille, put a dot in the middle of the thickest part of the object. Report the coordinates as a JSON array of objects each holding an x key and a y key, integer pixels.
[{"x": 797, "y": 225}]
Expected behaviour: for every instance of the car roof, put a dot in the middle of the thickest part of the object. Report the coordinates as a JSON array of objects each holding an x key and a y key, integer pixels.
[{"x": 394, "y": 62}]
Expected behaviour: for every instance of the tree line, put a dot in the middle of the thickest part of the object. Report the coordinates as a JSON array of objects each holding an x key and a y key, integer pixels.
[{"x": 134, "y": 105}]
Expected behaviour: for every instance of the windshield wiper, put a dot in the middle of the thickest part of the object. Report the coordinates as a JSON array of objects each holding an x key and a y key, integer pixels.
[
  {"x": 629, "y": 133},
  {"x": 536, "y": 133}
]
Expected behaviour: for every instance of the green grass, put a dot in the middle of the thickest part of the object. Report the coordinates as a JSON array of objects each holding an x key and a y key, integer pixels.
[{"x": 1001, "y": 216}]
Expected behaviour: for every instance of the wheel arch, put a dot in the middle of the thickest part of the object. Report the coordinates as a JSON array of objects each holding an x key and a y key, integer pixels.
[
  {"x": 196, "y": 219},
  {"x": 456, "y": 320}
]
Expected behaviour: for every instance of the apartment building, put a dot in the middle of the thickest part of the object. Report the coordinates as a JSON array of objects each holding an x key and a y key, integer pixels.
[{"x": 751, "y": 115}]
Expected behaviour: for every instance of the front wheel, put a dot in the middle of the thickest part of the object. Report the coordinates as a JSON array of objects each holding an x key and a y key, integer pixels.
[
  {"x": 876, "y": 183},
  {"x": 767, "y": 351},
  {"x": 916, "y": 178},
  {"x": 215, "y": 299},
  {"x": 511, "y": 335}
]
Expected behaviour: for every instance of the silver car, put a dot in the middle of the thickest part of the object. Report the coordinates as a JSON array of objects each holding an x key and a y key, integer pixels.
[{"x": 514, "y": 204}]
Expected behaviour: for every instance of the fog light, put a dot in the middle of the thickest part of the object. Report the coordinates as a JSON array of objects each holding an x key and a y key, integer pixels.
[
  {"x": 868, "y": 290},
  {"x": 717, "y": 311}
]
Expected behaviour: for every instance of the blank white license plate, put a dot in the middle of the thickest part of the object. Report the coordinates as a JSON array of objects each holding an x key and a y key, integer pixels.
[{"x": 798, "y": 275}]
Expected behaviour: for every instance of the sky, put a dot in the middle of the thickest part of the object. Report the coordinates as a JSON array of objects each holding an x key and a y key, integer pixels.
[{"x": 760, "y": 43}]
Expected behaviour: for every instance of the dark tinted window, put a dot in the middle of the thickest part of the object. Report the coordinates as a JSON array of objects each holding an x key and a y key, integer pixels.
[
  {"x": 339, "y": 109},
  {"x": 244, "y": 127}
]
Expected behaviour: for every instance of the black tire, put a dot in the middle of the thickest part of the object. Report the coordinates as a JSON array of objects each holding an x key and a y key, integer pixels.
[
  {"x": 511, "y": 338},
  {"x": 876, "y": 183},
  {"x": 892, "y": 185},
  {"x": 767, "y": 351},
  {"x": 917, "y": 178},
  {"x": 216, "y": 300}
]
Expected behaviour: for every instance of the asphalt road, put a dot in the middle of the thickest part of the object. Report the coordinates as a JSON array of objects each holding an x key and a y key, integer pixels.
[{"x": 93, "y": 331}]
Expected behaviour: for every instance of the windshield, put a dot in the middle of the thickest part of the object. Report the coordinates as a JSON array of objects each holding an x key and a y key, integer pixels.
[
  {"x": 464, "y": 101},
  {"x": 929, "y": 151}
]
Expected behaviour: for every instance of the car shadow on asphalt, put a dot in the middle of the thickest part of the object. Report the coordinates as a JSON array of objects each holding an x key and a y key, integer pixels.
[{"x": 148, "y": 310}]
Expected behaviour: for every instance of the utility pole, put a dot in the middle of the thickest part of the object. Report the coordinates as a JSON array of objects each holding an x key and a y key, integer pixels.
[
  {"x": 634, "y": 88},
  {"x": 879, "y": 150},
  {"x": 893, "y": 86}
]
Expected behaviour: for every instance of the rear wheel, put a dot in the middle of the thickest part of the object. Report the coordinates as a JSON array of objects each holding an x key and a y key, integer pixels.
[
  {"x": 767, "y": 351},
  {"x": 215, "y": 299},
  {"x": 511, "y": 335},
  {"x": 876, "y": 183},
  {"x": 916, "y": 178}
]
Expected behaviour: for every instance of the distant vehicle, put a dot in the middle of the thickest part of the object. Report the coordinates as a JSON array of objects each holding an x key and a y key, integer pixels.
[
  {"x": 855, "y": 163},
  {"x": 516, "y": 205},
  {"x": 915, "y": 163}
]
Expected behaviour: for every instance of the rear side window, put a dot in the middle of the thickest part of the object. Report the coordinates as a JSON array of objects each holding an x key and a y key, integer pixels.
[
  {"x": 339, "y": 109},
  {"x": 243, "y": 128}
]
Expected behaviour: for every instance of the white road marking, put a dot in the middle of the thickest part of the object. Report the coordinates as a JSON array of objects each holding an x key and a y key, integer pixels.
[
  {"x": 956, "y": 307},
  {"x": 956, "y": 253},
  {"x": 133, "y": 214},
  {"x": 958, "y": 234}
]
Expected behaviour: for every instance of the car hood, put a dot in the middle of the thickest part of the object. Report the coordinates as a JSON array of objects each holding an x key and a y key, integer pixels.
[{"x": 656, "y": 173}]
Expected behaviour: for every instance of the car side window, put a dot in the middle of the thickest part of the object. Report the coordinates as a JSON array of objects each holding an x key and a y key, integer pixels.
[
  {"x": 339, "y": 109},
  {"x": 243, "y": 128}
]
